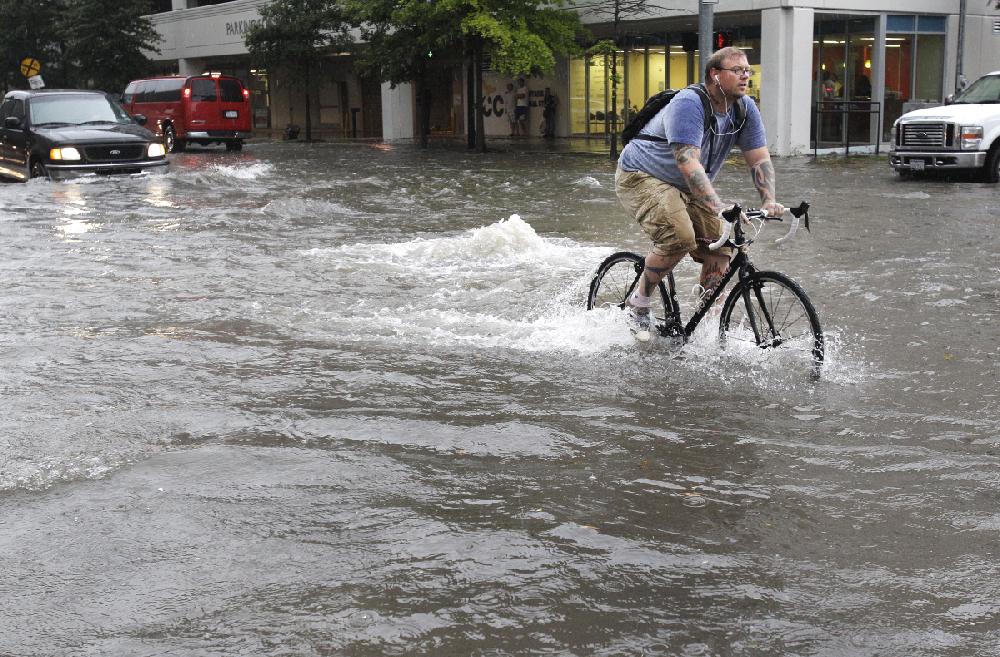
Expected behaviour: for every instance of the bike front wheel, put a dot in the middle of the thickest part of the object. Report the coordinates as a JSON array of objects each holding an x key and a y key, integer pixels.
[
  {"x": 617, "y": 278},
  {"x": 770, "y": 311}
]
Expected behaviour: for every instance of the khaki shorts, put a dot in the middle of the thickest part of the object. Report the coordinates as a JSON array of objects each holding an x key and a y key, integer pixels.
[{"x": 670, "y": 217}]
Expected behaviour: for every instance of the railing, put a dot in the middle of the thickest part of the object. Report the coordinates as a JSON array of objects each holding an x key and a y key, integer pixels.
[{"x": 845, "y": 109}]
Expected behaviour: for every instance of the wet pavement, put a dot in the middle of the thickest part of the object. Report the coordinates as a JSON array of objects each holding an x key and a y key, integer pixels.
[{"x": 336, "y": 399}]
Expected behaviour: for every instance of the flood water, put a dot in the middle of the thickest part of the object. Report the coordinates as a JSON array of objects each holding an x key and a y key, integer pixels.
[{"x": 336, "y": 400}]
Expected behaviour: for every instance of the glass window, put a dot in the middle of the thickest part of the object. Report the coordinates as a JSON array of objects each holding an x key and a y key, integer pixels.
[
  {"x": 76, "y": 109},
  {"x": 203, "y": 89},
  {"x": 129, "y": 92},
  {"x": 139, "y": 91},
  {"x": 231, "y": 91},
  {"x": 590, "y": 85},
  {"x": 899, "y": 23},
  {"x": 898, "y": 77},
  {"x": 931, "y": 24},
  {"x": 928, "y": 73},
  {"x": 914, "y": 64},
  {"x": 16, "y": 109},
  {"x": 842, "y": 56}
]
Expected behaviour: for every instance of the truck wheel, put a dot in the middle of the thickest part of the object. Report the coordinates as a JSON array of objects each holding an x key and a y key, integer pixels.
[
  {"x": 37, "y": 169},
  {"x": 170, "y": 138},
  {"x": 992, "y": 171}
]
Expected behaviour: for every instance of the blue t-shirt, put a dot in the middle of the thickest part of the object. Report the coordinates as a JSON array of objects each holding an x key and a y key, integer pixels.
[{"x": 682, "y": 121}]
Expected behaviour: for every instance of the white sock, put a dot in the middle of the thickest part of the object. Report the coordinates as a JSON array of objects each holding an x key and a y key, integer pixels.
[{"x": 638, "y": 301}]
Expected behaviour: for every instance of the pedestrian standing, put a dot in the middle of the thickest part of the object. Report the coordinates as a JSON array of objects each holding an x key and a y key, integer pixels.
[
  {"x": 549, "y": 113},
  {"x": 521, "y": 108},
  {"x": 508, "y": 108}
]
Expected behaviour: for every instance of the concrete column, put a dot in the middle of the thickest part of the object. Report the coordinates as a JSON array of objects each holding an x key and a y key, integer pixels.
[
  {"x": 189, "y": 66},
  {"x": 878, "y": 76},
  {"x": 397, "y": 112},
  {"x": 786, "y": 78}
]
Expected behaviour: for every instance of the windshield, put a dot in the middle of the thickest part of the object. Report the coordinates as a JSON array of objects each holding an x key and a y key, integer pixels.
[
  {"x": 983, "y": 90},
  {"x": 76, "y": 109}
]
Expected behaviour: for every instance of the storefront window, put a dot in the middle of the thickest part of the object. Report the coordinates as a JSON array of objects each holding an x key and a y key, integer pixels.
[
  {"x": 842, "y": 89},
  {"x": 260, "y": 98},
  {"x": 642, "y": 71},
  {"x": 914, "y": 64},
  {"x": 928, "y": 73}
]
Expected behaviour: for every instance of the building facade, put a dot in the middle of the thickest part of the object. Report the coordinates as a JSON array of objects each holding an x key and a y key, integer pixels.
[{"x": 828, "y": 74}]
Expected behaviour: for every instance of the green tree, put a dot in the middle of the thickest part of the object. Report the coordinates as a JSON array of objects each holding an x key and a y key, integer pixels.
[
  {"x": 298, "y": 35},
  {"x": 614, "y": 11},
  {"x": 518, "y": 36},
  {"x": 106, "y": 41},
  {"x": 406, "y": 41},
  {"x": 28, "y": 31},
  {"x": 412, "y": 40}
]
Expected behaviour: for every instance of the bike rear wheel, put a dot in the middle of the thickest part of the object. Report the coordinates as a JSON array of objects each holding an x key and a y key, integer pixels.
[
  {"x": 771, "y": 311},
  {"x": 615, "y": 281}
]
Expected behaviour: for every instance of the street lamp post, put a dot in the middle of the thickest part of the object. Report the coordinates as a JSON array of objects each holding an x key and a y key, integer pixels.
[
  {"x": 961, "y": 46},
  {"x": 706, "y": 16}
]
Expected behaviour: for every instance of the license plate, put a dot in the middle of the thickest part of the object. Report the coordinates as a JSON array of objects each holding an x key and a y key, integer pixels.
[
  {"x": 917, "y": 165},
  {"x": 232, "y": 114}
]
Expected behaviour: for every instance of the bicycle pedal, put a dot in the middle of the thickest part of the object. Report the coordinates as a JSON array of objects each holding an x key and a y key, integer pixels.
[{"x": 672, "y": 330}]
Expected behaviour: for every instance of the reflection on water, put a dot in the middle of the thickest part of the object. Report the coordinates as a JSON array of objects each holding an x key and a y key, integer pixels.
[{"x": 338, "y": 399}]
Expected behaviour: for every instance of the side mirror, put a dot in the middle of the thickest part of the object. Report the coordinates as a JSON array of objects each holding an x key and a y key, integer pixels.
[
  {"x": 949, "y": 99},
  {"x": 12, "y": 122},
  {"x": 140, "y": 119}
]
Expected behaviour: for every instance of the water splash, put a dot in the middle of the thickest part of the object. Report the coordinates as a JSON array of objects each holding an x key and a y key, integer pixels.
[{"x": 244, "y": 171}]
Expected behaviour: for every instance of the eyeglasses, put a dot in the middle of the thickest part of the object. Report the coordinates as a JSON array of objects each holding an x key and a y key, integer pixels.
[{"x": 739, "y": 70}]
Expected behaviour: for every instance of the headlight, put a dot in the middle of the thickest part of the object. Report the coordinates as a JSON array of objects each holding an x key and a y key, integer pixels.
[
  {"x": 156, "y": 150},
  {"x": 66, "y": 153},
  {"x": 969, "y": 137}
]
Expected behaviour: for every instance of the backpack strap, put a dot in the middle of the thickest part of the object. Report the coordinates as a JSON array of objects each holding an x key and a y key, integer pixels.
[
  {"x": 709, "y": 115},
  {"x": 739, "y": 118}
]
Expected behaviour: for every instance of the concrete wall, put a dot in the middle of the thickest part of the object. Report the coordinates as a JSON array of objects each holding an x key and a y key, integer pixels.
[
  {"x": 786, "y": 84},
  {"x": 212, "y": 31},
  {"x": 194, "y": 37}
]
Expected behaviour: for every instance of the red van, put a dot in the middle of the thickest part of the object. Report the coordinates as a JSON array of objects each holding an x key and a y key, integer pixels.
[{"x": 202, "y": 109}]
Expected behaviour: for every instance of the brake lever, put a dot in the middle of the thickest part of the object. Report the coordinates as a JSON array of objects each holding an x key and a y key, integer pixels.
[{"x": 799, "y": 213}]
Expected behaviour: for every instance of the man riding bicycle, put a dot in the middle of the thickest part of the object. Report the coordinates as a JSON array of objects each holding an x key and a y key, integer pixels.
[{"x": 665, "y": 175}]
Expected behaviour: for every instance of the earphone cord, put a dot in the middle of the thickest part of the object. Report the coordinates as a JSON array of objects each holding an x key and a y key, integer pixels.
[{"x": 725, "y": 104}]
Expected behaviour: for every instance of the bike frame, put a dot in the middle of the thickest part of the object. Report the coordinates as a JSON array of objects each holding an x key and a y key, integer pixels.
[{"x": 740, "y": 266}]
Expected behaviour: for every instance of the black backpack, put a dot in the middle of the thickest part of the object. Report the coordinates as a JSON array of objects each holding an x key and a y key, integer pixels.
[{"x": 659, "y": 101}]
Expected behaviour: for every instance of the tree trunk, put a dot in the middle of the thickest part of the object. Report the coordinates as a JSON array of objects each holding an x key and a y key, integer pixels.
[
  {"x": 309, "y": 134},
  {"x": 614, "y": 90},
  {"x": 614, "y": 106},
  {"x": 423, "y": 109},
  {"x": 471, "y": 114},
  {"x": 480, "y": 115}
]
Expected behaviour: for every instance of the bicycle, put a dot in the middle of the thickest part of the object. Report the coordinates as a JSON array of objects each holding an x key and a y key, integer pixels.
[{"x": 764, "y": 308}]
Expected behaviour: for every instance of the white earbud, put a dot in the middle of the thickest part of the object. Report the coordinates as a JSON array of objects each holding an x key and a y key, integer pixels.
[{"x": 717, "y": 80}]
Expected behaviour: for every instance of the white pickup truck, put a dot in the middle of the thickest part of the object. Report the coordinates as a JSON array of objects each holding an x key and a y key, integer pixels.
[{"x": 963, "y": 134}]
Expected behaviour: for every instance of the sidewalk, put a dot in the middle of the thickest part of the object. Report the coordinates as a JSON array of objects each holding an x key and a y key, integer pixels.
[{"x": 576, "y": 145}]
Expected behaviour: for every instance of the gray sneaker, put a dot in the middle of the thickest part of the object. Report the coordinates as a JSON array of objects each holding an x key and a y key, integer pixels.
[{"x": 638, "y": 321}]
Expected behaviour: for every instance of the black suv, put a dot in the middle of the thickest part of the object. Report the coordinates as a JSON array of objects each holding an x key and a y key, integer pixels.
[{"x": 62, "y": 133}]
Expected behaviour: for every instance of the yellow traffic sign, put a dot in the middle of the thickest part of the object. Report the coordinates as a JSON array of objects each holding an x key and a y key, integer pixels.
[{"x": 30, "y": 67}]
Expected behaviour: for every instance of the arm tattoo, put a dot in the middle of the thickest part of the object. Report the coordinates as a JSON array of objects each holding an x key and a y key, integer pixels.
[
  {"x": 686, "y": 154},
  {"x": 688, "y": 160},
  {"x": 763, "y": 180}
]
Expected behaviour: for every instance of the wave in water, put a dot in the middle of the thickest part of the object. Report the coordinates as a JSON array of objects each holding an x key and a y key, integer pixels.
[{"x": 504, "y": 286}]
